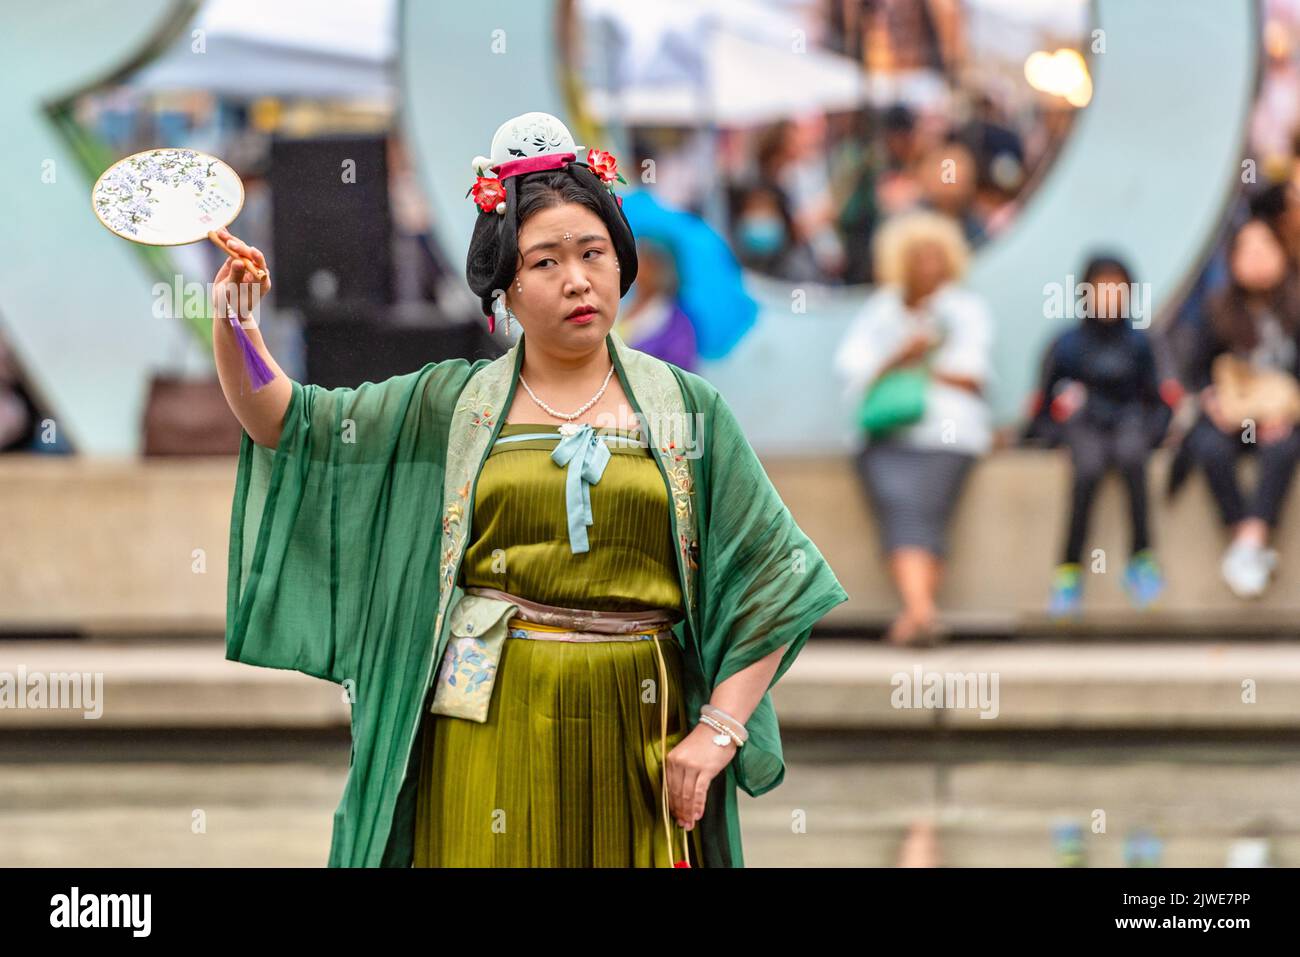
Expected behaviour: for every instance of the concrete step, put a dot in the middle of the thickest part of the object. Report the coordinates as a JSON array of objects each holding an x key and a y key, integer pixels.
[
  {"x": 221, "y": 799},
  {"x": 833, "y": 685}
]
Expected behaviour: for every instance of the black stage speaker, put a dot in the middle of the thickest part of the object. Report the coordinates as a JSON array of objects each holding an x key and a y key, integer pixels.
[
  {"x": 331, "y": 222},
  {"x": 345, "y": 347}
]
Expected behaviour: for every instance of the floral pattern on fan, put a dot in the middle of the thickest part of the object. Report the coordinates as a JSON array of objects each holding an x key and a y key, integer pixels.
[{"x": 202, "y": 193}]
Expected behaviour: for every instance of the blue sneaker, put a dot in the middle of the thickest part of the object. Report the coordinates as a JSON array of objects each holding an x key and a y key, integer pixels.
[
  {"x": 1143, "y": 579},
  {"x": 1068, "y": 843},
  {"x": 1067, "y": 591},
  {"x": 1142, "y": 848}
]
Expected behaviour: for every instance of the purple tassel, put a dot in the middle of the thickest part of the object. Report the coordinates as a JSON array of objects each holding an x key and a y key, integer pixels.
[{"x": 259, "y": 373}]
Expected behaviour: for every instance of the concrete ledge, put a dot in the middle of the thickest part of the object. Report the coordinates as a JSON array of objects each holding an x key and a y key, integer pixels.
[
  {"x": 1169, "y": 685},
  {"x": 833, "y": 685},
  {"x": 114, "y": 545},
  {"x": 131, "y": 546},
  {"x": 186, "y": 683},
  {"x": 1008, "y": 531}
]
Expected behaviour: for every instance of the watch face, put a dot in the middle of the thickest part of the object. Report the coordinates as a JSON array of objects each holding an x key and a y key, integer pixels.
[{"x": 167, "y": 197}]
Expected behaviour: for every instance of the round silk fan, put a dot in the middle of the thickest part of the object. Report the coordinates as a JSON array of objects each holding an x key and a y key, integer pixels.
[{"x": 172, "y": 197}]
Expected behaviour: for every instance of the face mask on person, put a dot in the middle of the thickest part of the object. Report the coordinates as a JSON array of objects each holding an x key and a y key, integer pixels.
[{"x": 762, "y": 235}]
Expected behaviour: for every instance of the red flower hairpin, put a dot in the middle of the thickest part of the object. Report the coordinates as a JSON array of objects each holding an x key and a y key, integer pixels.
[
  {"x": 489, "y": 193},
  {"x": 605, "y": 166}
]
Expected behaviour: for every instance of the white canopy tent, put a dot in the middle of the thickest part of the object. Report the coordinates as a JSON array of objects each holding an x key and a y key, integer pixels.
[
  {"x": 746, "y": 83},
  {"x": 732, "y": 63},
  {"x": 287, "y": 48}
]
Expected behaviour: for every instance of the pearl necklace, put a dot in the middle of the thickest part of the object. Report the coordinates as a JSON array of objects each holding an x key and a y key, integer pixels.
[{"x": 570, "y": 416}]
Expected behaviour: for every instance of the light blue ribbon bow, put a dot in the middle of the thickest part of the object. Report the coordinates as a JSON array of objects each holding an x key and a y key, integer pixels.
[{"x": 586, "y": 456}]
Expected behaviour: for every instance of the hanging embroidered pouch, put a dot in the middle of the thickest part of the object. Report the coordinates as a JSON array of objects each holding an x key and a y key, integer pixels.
[{"x": 469, "y": 666}]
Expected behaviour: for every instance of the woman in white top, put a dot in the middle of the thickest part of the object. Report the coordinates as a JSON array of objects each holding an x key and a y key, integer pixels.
[{"x": 913, "y": 475}]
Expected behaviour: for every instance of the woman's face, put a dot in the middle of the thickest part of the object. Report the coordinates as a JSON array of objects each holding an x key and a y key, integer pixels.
[
  {"x": 927, "y": 268},
  {"x": 1258, "y": 261},
  {"x": 558, "y": 274},
  {"x": 948, "y": 178},
  {"x": 761, "y": 230}
]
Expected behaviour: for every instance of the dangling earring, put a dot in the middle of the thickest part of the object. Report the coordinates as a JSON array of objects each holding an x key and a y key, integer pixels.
[
  {"x": 510, "y": 313},
  {"x": 500, "y": 312}
]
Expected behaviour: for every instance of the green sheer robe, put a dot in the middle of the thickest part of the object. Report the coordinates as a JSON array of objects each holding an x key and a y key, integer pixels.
[{"x": 346, "y": 542}]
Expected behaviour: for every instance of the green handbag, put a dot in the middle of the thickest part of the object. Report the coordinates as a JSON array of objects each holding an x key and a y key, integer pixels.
[{"x": 894, "y": 400}]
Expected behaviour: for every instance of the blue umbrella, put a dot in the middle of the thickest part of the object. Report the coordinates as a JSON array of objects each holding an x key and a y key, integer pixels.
[{"x": 711, "y": 290}]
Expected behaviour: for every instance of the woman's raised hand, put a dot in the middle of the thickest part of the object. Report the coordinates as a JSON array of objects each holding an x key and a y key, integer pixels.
[
  {"x": 260, "y": 411},
  {"x": 234, "y": 286}
]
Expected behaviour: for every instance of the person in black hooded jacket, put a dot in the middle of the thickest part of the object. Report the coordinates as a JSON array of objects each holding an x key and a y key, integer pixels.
[{"x": 1100, "y": 395}]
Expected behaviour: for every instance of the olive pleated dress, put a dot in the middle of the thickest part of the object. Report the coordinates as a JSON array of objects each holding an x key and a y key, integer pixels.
[{"x": 567, "y": 769}]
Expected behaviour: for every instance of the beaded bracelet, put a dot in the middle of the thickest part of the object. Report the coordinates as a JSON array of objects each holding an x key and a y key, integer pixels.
[
  {"x": 725, "y": 735},
  {"x": 721, "y": 715}
]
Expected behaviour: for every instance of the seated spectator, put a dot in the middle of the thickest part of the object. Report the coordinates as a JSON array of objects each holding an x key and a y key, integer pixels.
[
  {"x": 1245, "y": 370},
  {"x": 1106, "y": 370}
]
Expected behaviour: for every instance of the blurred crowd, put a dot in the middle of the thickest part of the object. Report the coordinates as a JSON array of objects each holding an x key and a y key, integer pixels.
[
  {"x": 815, "y": 190},
  {"x": 896, "y": 195},
  {"x": 1218, "y": 383}
]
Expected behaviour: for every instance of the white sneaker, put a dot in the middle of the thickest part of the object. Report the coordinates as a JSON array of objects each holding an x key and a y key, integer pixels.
[{"x": 1246, "y": 568}]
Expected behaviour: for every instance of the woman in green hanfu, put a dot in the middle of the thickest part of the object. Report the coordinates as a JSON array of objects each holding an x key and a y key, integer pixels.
[{"x": 557, "y": 610}]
